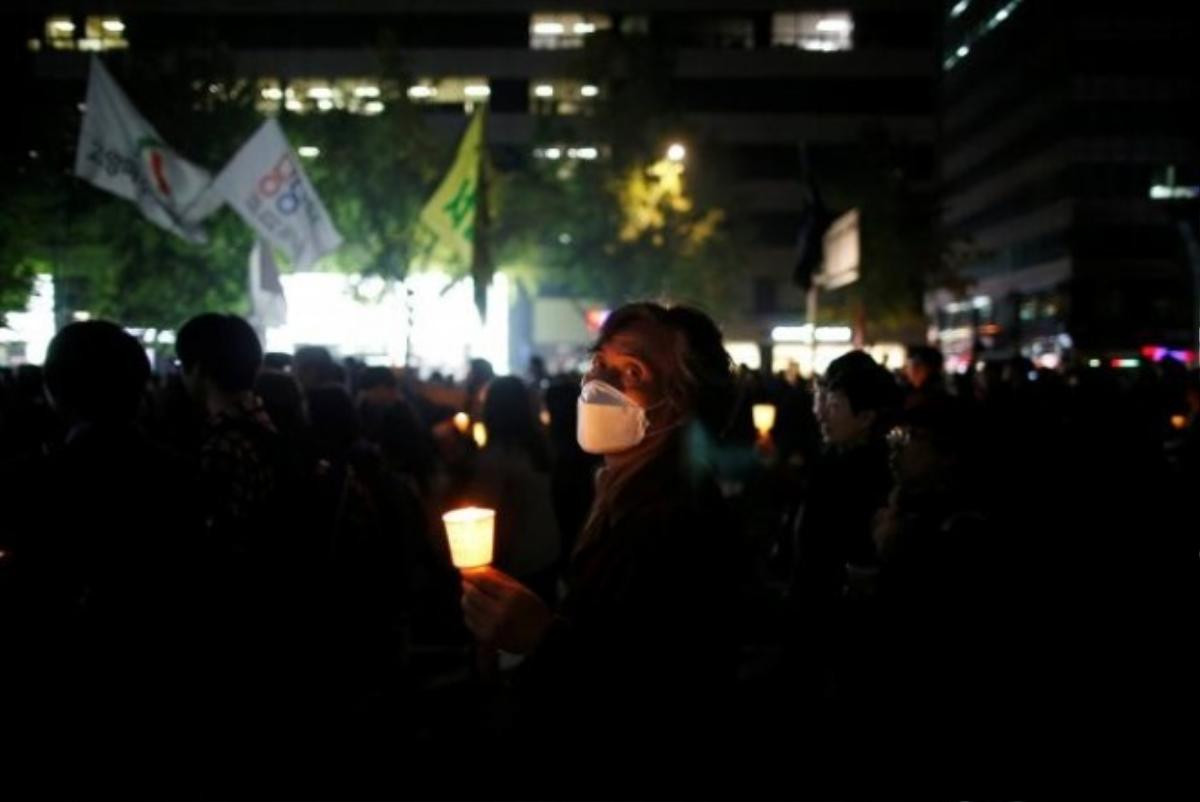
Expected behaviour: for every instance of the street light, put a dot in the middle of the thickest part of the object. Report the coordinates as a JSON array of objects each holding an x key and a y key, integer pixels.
[{"x": 676, "y": 152}]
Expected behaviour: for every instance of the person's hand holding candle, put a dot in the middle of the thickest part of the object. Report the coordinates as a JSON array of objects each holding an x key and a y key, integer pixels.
[{"x": 501, "y": 612}]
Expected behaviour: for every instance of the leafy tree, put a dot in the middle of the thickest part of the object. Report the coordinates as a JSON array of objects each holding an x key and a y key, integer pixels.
[{"x": 629, "y": 224}]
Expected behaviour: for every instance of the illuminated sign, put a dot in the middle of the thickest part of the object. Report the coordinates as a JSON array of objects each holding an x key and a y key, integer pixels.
[
  {"x": 595, "y": 319},
  {"x": 840, "y": 267}
]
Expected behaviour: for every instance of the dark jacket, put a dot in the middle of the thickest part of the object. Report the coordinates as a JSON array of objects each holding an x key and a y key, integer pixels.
[
  {"x": 641, "y": 645},
  {"x": 846, "y": 490},
  {"x": 834, "y": 528},
  {"x": 101, "y": 579}
]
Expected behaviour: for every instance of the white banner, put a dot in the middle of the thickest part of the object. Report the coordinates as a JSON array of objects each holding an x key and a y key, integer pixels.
[
  {"x": 841, "y": 264},
  {"x": 120, "y": 152},
  {"x": 265, "y": 184}
]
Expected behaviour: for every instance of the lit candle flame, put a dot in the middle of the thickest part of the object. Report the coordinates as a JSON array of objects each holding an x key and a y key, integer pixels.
[
  {"x": 480, "y": 434},
  {"x": 462, "y": 422}
]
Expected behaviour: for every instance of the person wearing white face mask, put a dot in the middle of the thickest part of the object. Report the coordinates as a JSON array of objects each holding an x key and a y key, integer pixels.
[{"x": 641, "y": 645}]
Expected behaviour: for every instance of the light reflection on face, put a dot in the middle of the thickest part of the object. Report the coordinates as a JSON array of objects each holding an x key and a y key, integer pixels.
[
  {"x": 840, "y": 425},
  {"x": 622, "y": 361}
]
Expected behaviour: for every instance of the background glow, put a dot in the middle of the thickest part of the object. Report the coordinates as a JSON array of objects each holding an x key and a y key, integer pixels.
[
  {"x": 355, "y": 316},
  {"x": 35, "y": 326}
]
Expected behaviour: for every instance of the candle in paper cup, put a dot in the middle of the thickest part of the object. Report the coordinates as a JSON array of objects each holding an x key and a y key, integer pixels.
[
  {"x": 462, "y": 422},
  {"x": 470, "y": 532},
  {"x": 480, "y": 434},
  {"x": 764, "y": 418}
]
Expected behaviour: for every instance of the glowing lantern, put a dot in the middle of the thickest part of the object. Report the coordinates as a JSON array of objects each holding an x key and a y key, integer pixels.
[
  {"x": 462, "y": 422},
  {"x": 545, "y": 417},
  {"x": 479, "y": 432},
  {"x": 764, "y": 418},
  {"x": 1178, "y": 422},
  {"x": 470, "y": 532}
]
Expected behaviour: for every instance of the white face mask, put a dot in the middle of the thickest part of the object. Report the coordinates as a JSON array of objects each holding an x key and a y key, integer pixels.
[{"x": 609, "y": 420}]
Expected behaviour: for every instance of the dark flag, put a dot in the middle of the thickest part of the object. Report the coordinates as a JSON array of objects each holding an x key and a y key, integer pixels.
[{"x": 814, "y": 222}]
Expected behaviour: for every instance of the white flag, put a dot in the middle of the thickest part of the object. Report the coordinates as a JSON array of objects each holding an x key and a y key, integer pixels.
[
  {"x": 265, "y": 184},
  {"x": 119, "y": 151},
  {"x": 267, "y": 302}
]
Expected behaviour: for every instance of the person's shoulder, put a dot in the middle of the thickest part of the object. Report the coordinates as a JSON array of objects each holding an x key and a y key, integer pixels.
[{"x": 688, "y": 509}]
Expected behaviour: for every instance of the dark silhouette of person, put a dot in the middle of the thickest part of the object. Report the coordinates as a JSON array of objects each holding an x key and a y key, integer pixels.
[
  {"x": 278, "y": 362},
  {"x": 258, "y": 544},
  {"x": 923, "y": 369},
  {"x": 241, "y": 455},
  {"x": 479, "y": 373},
  {"x": 391, "y": 422},
  {"x": 641, "y": 647},
  {"x": 512, "y": 476},
  {"x": 314, "y": 367},
  {"x": 284, "y": 403},
  {"x": 855, "y": 403},
  {"x": 100, "y": 562}
]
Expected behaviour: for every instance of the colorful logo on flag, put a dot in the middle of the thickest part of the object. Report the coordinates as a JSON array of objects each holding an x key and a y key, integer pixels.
[{"x": 154, "y": 164}]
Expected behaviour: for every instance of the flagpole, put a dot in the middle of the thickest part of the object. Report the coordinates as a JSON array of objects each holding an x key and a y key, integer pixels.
[
  {"x": 811, "y": 314},
  {"x": 481, "y": 268}
]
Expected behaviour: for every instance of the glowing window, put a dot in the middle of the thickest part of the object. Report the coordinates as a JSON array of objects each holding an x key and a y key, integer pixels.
[
  {"x": 103, "y": 33},
  {"x": 60, "y": 33},
  {"x": 563, "y": 31},
  {"x": 452, "y": 90},
  {"x": 561, "y": 96},
  {"x": 823, "y": 32},
  {"x": 306, "y": 95}
]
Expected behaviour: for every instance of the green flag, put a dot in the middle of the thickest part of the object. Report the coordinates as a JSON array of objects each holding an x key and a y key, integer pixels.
[{"x": 448, "y": 219}]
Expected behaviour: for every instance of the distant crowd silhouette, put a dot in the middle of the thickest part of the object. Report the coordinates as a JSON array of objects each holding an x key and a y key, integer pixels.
[{"x": 240, "y": 565}]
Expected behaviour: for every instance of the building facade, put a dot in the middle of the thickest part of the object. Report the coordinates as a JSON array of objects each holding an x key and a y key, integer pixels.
[
  {"x": 1069, "y": 172},
  {"x": 758, "y": 81}
]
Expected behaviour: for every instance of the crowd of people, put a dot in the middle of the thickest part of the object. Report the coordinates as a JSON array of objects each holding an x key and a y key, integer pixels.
[{"x": 242, "y": 563}]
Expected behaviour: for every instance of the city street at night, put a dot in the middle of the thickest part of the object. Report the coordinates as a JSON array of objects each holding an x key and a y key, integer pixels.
[{"x": 605, "y": 399}]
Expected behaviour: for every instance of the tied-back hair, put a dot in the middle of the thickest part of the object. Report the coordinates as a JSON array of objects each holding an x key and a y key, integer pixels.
[{"x": 698, "y": 384}]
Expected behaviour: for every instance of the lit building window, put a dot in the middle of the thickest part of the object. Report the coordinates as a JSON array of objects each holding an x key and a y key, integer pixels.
[
  {"x": 1166, "y": 188},
  {"x": 561, "y": 96},
  {"x": 561, "y": 31},
  {"x": 450, "y": 91},
  {"x": 585, "y": 153},
  {"x": 963, "y": 49},
  {"x": 307, "y": 95},
  {"x": 824, "y": 32},
  {"x": 103, "y": 33},
  {"x": 60, "y": 33},
  {"x": 99, "y": 33}
]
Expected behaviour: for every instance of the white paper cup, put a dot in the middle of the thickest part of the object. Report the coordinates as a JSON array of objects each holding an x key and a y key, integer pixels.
[
  {"x": 764, "y": 418},
  {"x": 471, "y": 534}
]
